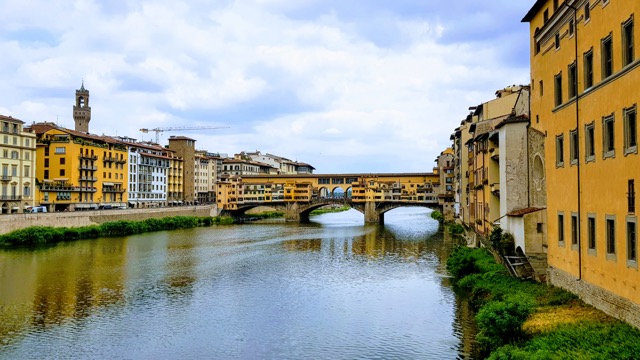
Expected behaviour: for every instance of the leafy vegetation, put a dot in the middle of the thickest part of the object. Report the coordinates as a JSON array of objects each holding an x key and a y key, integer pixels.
[
  {"x": 437, "y": 215},
  {"x": 527, "y": 320},
  {"x": 266, "y": 215},
  {"x": 325, "y": 210},
  {"x": 456, "y": 229},
  {"x": 41, "y": 235}
]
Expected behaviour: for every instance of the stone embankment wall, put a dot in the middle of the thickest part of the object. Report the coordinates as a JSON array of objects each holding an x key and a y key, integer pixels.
[
  {"x": 597, "y": 297},
  {"x": 13, "y": 222}
]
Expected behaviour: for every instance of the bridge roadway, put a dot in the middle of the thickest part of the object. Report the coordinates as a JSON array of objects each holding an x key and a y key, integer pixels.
[{"x": 298, "y": 195}]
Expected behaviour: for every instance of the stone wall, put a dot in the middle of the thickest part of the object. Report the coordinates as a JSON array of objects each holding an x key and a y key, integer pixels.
[
  {"x": 598, "y": 297},
  {"x": 13, "y": 222}
]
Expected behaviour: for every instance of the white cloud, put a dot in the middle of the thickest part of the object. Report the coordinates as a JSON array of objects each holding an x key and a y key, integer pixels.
[{"x": 345, "y": 103}]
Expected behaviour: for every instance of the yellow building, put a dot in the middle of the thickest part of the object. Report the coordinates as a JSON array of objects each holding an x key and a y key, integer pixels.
[
  {"x": 79, "y": 171},
  {"x": 584, "y": 76},
  {"x": 18, "y": 159}
]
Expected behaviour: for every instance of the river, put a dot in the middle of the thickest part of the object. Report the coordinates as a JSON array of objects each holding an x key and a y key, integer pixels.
[{"x": 331, "y": 289}]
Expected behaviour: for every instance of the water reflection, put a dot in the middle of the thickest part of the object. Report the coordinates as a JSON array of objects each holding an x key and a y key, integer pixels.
[{"x": 335, "y": 288}]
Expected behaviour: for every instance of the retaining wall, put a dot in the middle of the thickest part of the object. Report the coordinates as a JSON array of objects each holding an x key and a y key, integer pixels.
[
  {"x": 610, "y": 303},
  {"x": 13, "y": 222}
]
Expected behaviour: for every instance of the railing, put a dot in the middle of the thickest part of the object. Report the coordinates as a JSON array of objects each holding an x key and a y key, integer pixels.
[
  {"x": 46, "y": 187},
  {"x": 89, "y": 168},
  {"x": 87, "y": 178},
  {"x": 88, "y": 157},
  {"x": 10, "y": 198},
  {"x": 108, "y": 158},
  {"x": 6, "y": 177},
  {"x": 113, "y": 190}
]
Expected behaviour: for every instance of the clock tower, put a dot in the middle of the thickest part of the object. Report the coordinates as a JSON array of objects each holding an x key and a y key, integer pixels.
[{"x": 82, "y": 110}]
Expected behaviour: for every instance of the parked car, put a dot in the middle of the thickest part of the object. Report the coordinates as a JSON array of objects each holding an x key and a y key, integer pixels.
[{"x": 35, "y": 209}]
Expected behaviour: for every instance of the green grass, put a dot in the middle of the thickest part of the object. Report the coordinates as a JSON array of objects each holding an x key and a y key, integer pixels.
[
  {"x": 46, "y": 235},
  {"x": 266, "y": 215},
  {"x": 520, "y": 319},
  {"x": 329, "y": 210}
]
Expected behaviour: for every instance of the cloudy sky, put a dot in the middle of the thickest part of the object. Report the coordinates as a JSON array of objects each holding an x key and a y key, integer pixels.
[{"x": 345, "y": 85}]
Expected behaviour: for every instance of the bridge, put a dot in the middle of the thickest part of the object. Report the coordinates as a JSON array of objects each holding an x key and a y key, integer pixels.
[{"x": 298, "y": 195}]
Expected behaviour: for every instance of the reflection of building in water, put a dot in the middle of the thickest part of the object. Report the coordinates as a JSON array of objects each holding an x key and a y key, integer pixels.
[
  {"x": 180, "y": 265},
  {"x": 69, "y": 283},
  {"x": 303, "y": 245}
]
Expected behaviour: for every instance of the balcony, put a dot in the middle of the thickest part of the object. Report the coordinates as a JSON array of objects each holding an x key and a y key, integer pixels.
[
  {"x": 495, "y": 189},
  {"x": 88, "y": 167},
  {"x": 6, "y": 178},
  {"x": 108, "y": 159},
  {"x": 10, "y": 198},
  {"x": 87, "y": 178},
  {"x": 88, "y": 157},
  {"x": 113, "y": 190}
]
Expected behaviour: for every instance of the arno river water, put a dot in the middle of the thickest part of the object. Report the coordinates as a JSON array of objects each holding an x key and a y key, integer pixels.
[{"x": 332, "y": 289}]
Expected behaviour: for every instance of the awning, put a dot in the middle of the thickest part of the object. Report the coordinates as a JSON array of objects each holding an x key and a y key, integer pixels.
[
  {"x": 60, "y": 179},
  {"x": 107, "y": 183}
]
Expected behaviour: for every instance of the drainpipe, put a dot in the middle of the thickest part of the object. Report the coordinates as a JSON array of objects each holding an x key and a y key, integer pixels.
[{"x": 575, "y": 37}]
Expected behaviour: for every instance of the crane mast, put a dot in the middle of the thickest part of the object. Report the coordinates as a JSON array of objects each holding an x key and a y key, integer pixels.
[{"x": 180, "y": 128}]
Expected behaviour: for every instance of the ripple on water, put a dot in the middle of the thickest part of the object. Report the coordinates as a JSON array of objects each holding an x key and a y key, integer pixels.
[{"x": 334, "y": 289}]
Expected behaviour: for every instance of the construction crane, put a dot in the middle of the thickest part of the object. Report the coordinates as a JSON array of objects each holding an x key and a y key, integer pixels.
[{"x": 180, "y": 128}]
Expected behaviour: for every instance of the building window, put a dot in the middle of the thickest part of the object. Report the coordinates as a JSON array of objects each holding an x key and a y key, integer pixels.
[
  {"x": 631, "y": 196},
  {"x": 573, "y": 81},
  {"x": 561, "y": 229},
  {"x": 558, "y": 89},
  {"x": 541, "y": 87},
  {"x": 61, "y": 150},
  {"x": 573, "y": 146},
  {"x": 632, "y": 242},
  {"x": 46, "y": 174},
  {"x": 611, "y": 234},
  {"x": 630, "y": 131},
  {"x": 587, "y": 12},
  {"x": 545, "y": 15},
  {"x": 572, "y": 27},
  {"x": 62, "y": 161},
  {"x": 574, "y": 231},
  {"x": 590, "y": 151},
  {"x": 555, "y": 5},
  {"x": 627, "y": 42},
  {"x": 62, "y": 172},
  {"x": 608, "y": 137},
  {"x": 591, "y": 232},
  {"x": 557, "y": 41},
  {"x": 559, "y": 150},
  {"x": 607, "y": 57}
]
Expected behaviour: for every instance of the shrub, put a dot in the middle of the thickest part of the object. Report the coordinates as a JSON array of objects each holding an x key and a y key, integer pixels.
[
  {"x": 456, "y": 229},
  {"x": 437, "y": 215},
  {"x": 207, "y": 221},
  {"x": 500, "y": 322}
]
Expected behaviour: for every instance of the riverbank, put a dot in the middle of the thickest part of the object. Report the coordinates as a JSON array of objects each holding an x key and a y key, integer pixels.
[
  {"x": 528, "y": 320},
  {"x": 266, "y": 213},
  {"x": 12, "y": 222},
  {"x": 46, "y": 235}
]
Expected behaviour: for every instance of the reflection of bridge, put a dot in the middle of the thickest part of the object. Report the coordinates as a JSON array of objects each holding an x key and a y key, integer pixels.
[{"x": 298, "y": 195}]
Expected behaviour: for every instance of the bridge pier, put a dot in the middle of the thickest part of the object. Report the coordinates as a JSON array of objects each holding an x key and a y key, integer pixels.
[
  {"x": 371, "y": 214},
  {"x": 293, "y": 213}
]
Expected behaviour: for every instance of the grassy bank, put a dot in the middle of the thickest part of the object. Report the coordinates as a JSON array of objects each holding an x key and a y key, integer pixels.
[
  {"x": 527, "y": 320},
  {"x": 43, "y": 235},
  {"x": 326, "y": 210},
  {"x": 266, "y": 215}
]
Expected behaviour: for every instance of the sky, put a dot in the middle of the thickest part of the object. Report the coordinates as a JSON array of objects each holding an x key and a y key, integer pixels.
[{"x": 348, "y": 86}]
